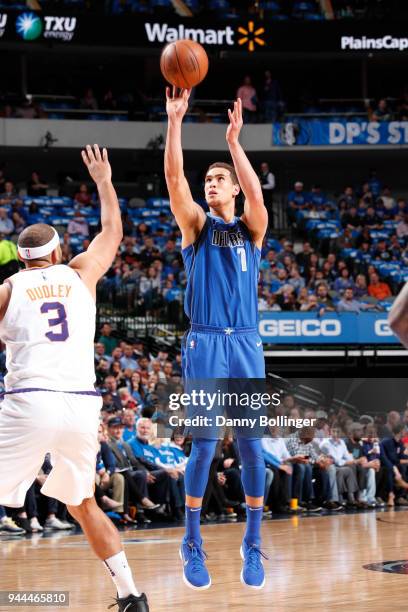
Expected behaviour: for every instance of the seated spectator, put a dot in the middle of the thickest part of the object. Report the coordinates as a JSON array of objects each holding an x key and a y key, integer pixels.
[
  {"x": 138, "y": 477},
  {"x": 395, "y": 459},
  {"x": 365, "y": 469},
  {"x": 303, "y": 257},
  {"x": 335, "y": 448},
  {"x": 248, "y": 95},
  {"x": 9, "y": 195},
  {"x": 382, "y": 112},
  {"x": 129, "y": 424},
  {"x": 298, "y": 199},
  {"x": 148, "y": 455},
  {"x": 311, "y": 304},
  {"x": 111, "y": 385},
  {"x": 6, "y": 224},
  {"x": 83, "y": 197},
  {"x": 128, "y": 358},
  {"x": 303, "y": 457},
  {"x": 372, "y": 450},
  {"x": 348, "y": 197},
  {"x": 108, "y": 101},
  {"x": 19, "y": 222},
  {"x": 177, "y": 446},
  {"x": 106, "y": 339},
  {"x": 36, "y": 186},
  {"x": 107, "y": 478},
  {"x": 88, "y": 101},
  {"x": 387, "y": 200},
  {"x": 276, "y": 456},
  {"x": 343, "y": 282},
  {"x": 377, "y": 289},
  {"x": 381, "y": 251},
  {"x": 324, "y": 301},
  {"x": 351, "y": 220},
  {"x": 371, "y": 220},
  {"x": 348, "y": 303},
  {"x": 78, "y": 225},
  {"x": 402, "y": 228}
]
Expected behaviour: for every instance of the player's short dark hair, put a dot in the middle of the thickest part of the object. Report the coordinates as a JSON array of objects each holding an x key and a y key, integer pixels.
[
  {"x": 35, "y": 236},
  {"x": 228, "y": 167}
]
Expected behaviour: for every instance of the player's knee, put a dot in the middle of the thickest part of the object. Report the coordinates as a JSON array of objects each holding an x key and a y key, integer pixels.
[
  {"x": 83, "y": 509},
  {"x": 251, "y": 452},
  {"x": 203, "y": 450}
]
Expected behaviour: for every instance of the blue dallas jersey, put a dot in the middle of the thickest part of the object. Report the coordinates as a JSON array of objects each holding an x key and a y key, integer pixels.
[{"x": 222, "y": 269}]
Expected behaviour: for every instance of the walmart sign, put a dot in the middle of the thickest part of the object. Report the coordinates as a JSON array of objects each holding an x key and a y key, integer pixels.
[{"x": 332, "y": 328}]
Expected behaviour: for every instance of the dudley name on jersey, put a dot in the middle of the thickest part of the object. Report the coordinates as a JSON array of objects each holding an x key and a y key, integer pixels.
[{"x": 49, "y": 330}]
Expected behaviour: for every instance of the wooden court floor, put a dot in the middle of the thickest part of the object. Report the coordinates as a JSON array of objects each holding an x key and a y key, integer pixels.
[{"x": 315, "y": 564}]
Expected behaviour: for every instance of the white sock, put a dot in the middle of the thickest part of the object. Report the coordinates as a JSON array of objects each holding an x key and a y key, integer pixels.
[{"x": 121, "y": 574}]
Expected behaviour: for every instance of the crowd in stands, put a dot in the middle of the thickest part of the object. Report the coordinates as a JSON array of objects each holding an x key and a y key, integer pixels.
[
  {"x": 225, "y": 9},
  {"x": 341, "y": 462},
  {"x": 348, "y": 253},
  {"x": 278, "y": 10},
  {"x": 354, "y": 256}
]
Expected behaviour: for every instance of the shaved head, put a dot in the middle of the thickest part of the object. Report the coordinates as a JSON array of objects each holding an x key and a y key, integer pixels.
[
  {"x": 35, "y": 236},
  {"x": 38, "y": 235}
]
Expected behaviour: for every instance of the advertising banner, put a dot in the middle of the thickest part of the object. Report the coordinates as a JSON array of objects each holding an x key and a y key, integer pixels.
[
  {"x": 331, "y": 328},
  {"x": 339, "y": 133}
]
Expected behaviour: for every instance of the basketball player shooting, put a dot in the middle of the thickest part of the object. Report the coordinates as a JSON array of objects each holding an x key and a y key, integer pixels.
[
  {"x": 221, "y": 254},
  {"x": 47, "y": 321}
]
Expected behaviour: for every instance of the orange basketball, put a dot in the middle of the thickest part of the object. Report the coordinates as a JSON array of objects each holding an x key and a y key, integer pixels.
[{"x": 184, "y": 63}]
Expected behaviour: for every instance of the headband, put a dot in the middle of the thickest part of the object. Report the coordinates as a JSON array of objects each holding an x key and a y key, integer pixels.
[{"x": 41, "y": 251}]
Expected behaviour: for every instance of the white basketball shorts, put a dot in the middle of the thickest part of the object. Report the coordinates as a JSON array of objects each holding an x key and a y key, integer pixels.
[{"x": 38, "y": 422}]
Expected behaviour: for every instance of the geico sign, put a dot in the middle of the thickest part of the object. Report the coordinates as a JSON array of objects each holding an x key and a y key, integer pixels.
[
  {"x": 382, "y": 328},
  {"x": 161, "y": 32},
  {"x": 299, "y": 327},
  {"x": 363, "y": 42}
]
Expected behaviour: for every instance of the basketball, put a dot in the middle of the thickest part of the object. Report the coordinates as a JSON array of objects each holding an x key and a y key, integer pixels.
[{"x": 184, "y": 63}]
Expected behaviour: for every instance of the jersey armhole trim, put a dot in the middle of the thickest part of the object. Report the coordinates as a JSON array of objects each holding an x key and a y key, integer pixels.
[
  {"x": 199, "y": 238},
  {"x": 9, "y": 282},
  {"x": 250, "y": 235},
  {"x": 83, "y": 282}
]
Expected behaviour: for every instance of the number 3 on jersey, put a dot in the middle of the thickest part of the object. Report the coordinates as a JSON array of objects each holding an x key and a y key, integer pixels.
[
  {"x": 242, "y": 254},
  {"x": 61, "y": 320}
]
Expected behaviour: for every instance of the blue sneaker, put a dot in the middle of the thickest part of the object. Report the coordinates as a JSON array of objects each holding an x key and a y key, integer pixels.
[
  {"x": 252, "y": 574},
  {"x": 195, "y": 574}
]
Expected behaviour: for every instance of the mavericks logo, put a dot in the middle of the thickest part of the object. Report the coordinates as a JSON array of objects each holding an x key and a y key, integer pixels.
[{"x": 30, "y": 27}]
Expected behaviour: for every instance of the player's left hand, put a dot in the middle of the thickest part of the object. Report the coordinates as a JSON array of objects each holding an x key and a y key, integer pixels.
[
  {"x": 97, "y": 163},
  {"x": 236, "y": 122}
]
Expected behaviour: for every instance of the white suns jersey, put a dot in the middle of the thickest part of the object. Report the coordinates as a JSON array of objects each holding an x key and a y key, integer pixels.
[{"x": 49, "y": 330}]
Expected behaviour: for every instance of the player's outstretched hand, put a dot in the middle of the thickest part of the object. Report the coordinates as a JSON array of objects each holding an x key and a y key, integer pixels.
[
  {"x": 97, "y": 163},
  {"x": 235, "y": 121},
  {"x": 177, "y": 102}
]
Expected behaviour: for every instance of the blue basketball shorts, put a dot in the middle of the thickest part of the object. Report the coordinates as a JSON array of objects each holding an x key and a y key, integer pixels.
[{"x": 214, "y": 352}]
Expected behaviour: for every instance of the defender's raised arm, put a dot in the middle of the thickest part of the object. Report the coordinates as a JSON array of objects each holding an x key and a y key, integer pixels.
[
  {"x": 93, "y": 264},
  {"x": 255, "y": 214},
  {"x": 190, "y": 216}
]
